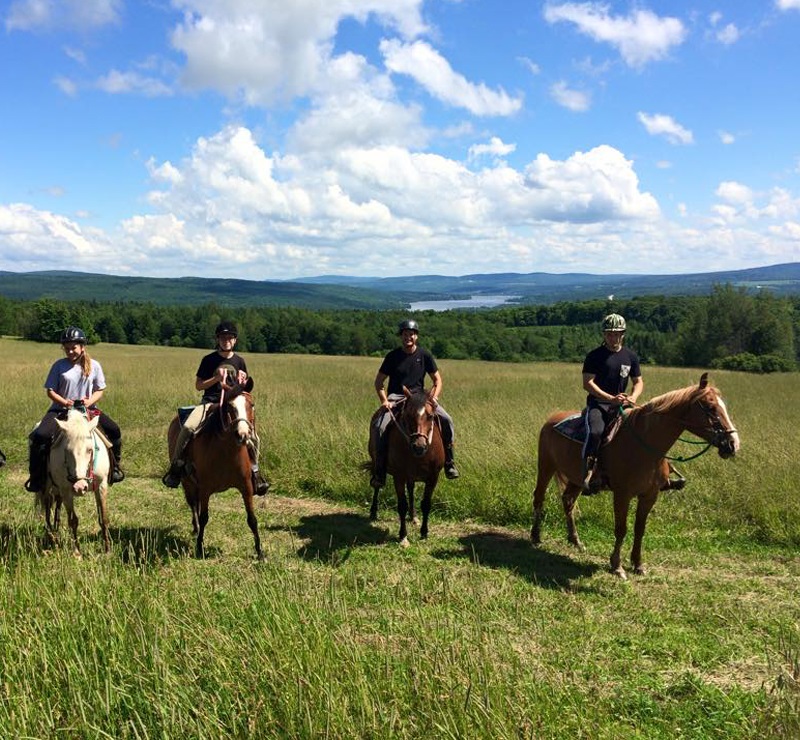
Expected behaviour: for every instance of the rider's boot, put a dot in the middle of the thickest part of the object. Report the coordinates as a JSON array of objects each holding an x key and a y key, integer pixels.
[
  {"x": 450, "y": 470},
  {"x": 260, "y": 483},
  {"x": 591, "y": 476},
  {"x": 37, "y": 466},
  {"x": 172, "y": 478},
  {"x": 117, "y": 475}
]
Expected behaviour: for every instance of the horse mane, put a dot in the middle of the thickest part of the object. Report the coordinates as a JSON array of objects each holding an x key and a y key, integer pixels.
[
  {"x": 673, "y": 399},
  {"x": 213, "y": 423}
]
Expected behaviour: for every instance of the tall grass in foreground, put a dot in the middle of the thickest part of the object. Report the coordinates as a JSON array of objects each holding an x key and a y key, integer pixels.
[{"x": 341, "y": 634}]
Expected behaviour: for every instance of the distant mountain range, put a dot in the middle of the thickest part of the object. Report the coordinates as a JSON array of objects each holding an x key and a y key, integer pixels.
[{"x": 342, "y": 292}]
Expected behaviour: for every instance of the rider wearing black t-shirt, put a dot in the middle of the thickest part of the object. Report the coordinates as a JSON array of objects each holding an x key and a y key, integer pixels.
[
  {"x": 223, "y": 366},
  {"x": 606, "y": 371},
  {"x": 407, "y": 366}
]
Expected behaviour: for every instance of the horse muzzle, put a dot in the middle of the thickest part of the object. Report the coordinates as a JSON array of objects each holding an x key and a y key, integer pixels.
[{"x": 419, "y": 444}]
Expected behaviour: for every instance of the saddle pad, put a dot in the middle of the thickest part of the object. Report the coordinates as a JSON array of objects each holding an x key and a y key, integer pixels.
[
  {"x": 183, "y": 413},
  {"x": 573, "y": 427}
]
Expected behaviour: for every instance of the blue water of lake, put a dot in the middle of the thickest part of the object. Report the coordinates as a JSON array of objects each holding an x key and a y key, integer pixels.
[{"x": 475, "y": 301}]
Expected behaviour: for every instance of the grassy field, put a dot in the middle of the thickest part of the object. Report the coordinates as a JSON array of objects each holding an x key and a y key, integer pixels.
[{"x": 341, "y": 633}]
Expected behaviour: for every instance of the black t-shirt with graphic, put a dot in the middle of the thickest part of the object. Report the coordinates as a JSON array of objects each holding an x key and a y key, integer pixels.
[
  {"x": 611, "y": 370},
  {"x": 208, "y": 367},
  {"x": 407, "y": 370}
]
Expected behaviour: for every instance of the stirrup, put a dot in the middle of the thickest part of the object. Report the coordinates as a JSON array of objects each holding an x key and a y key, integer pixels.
[
  {"x": 172, "y": 478},
  {"x": 31, "y": 486},
  {"x": 451, "y": 472},
  {"x": 117, "y": 476},
  {"x": 262, "y": 487}
]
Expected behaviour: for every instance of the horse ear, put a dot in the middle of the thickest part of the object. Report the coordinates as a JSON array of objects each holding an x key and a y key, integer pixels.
[
  {"x": 406, "y": 392},
  {"x": 62, "y": 424},
  {"x": 704, "y": 380},
  {"x": 93, "y": 423},
  {"x": 248, "y": 385}
]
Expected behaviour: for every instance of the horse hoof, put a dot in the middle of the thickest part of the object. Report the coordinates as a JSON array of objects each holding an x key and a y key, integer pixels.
[
  {"x": 620, "y": 573},
  {"x": 404, "y": 543},
  {"x": 640, "y": 570}
]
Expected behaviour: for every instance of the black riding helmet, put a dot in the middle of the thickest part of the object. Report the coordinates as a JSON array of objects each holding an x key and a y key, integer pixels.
[
  {"x": 226, "y": 327},
  {"x": 408, "y": 324},
  {"x": 73, "y": 334}
]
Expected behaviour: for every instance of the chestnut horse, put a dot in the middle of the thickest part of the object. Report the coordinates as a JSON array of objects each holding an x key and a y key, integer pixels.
[
  {"x": 222, "y": 454},
  {"x": 415, "y": 453},
  {"x": 78, "y": 462},
  {"x": 634, "y": 461}
]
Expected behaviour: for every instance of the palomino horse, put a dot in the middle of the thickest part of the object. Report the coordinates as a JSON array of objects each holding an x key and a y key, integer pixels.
[
  {"x": 415, "y": 453},
  {"x": 222, "y": 454},
  {"x": 78, "y": 462},
  {"x": 633, "y": 461}
]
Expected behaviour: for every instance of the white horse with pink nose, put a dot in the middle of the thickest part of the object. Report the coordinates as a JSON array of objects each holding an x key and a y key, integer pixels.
[{"x": 78, "y": 463}]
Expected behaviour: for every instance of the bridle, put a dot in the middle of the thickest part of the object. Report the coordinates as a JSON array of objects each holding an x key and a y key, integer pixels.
[
  {"x": 225, "y": 422},
  {"x": 719, "y": 437},
  {"x": 412, "y": 436}
]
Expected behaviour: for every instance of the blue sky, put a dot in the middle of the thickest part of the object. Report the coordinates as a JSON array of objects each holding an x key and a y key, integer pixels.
[{"x": 273, "y": 139}]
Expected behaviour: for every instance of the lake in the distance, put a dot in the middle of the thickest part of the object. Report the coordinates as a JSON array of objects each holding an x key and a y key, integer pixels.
[{"x": 475, "y": 301}]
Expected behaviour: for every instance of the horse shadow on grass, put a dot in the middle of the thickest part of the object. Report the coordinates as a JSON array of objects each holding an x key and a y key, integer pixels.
[
  {"x": 330, "y": 538},
  {"x": 148, "y": 546},
  {"x": 493, "y": 549}
]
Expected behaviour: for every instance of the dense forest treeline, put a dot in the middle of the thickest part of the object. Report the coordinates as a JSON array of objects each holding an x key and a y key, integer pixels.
[{"x": 730, "y": 328}]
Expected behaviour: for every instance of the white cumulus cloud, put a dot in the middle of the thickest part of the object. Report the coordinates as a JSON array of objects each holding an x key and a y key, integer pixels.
[{"x": 640, "y": 37}]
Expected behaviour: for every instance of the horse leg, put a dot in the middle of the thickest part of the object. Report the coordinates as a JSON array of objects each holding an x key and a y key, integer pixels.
[
  {"x": 412, "y": 514},
  {"x": 49, "y": 539},
  {"x": 621, "y": 505},
  {"x": 544, "y": 474},
  {"x": 427, "y": 497},
  {"x": 72, "y": 519},
  {"x": 373, "y": 510},
  {"x": 643, "y": 507},
  {"x": 102, "y": 515},
  {"x": 568, "y": 499},
  {"x": 252, "y": 522},
  {"x": 201, "y": 513},
  {"x": 402, "y": 509}
]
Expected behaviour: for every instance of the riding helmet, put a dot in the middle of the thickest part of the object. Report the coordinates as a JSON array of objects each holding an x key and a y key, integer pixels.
[
  {"x": 73, "y": 334},
  {"x": 614, "y": 322},
  {"x": 226, "y": 327},
  {"x": 409, "y": 324}
]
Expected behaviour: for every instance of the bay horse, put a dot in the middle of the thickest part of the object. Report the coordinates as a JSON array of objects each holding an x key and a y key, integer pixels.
[
  {"x": 222, "y": 454},
  {"x": 634, "y": 461},
  {"x": 78, "y": 462},
  {"x": 415, "y": 453}
]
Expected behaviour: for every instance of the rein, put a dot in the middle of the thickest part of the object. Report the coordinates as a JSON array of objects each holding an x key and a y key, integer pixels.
[
  {"x": 409, "y": 438},
  {"x": 651, "y": 449}
]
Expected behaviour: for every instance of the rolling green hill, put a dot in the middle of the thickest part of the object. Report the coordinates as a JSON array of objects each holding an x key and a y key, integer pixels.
[{"x": 347, "y": 292}]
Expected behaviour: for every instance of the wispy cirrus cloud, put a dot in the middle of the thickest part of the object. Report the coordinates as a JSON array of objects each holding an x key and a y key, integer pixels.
[
  {"x": 659, "y": 124},
  {"x": 640, "y": 37}
]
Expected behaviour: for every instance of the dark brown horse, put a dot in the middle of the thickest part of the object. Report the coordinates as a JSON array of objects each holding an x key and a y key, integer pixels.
[
  {"x": 633, "y": 461},
  {"x": 415, "y": 453},
  {"x": 221, "y": 455}
]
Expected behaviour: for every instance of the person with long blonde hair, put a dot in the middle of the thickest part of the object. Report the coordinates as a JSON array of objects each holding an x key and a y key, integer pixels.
[{"x": 74, "y": 381}]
